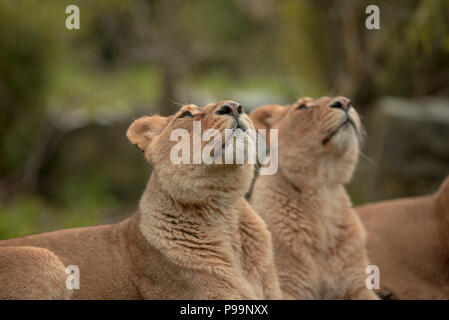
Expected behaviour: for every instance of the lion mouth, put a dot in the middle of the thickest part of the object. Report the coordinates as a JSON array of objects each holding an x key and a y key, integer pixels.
[
  {"x": 234, "y": 126},
  {"x": 347, "y": 121},
  {"x": 237, "y": 124}
]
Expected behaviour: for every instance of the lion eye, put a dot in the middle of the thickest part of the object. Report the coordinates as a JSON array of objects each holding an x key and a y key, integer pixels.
[
  {"x": 186, "y": 114},
  {"x": 302, "y": 107}
]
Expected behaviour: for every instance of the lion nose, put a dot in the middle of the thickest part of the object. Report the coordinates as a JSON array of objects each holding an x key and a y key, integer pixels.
[
  {"x": 230, "y": 108},
  {"x": 341, "y": 103}
]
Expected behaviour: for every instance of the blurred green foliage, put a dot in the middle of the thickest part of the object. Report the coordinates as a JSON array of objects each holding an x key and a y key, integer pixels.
[
  {"x": 66, "y": 97},
  {"x": 25, "y": 54},
  {"x": 30, "y": 214},
  {"x": 74, "y": 86}
]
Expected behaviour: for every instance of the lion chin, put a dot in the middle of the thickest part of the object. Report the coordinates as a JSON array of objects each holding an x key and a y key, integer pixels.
[{"x": 305, "y": 204}]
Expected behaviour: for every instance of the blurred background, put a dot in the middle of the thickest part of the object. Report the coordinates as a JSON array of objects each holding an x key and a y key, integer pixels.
[{"x": 68, "y": 96}]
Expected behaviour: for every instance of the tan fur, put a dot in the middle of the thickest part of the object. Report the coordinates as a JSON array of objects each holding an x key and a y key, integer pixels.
[
  {"x": 193, "y": 236},
  {"x": 408, "y": 239},
  {"x": 318, "y": 240},
  {"x": 31, "y": 273}
]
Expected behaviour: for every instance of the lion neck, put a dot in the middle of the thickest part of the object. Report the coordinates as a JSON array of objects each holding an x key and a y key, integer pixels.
[
  {"x": 315, "y": 192},
  {"x": 189, "y": 233},
  {"x": 313, "y": 208}
]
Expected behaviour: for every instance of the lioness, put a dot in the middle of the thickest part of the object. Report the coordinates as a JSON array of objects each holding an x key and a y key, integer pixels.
[
  {"x": 193, "y": 235},
  {"x": 318, "y": 240},
  {"x": 409, "y": 240}
]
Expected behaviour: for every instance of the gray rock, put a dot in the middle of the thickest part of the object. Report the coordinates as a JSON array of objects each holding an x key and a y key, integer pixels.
[{"x": 408, "y": 140}]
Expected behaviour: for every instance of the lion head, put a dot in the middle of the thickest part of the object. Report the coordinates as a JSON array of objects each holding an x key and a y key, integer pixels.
[
  {"x": 318, "y": 139},
  {"x": 202, "y": 133}
]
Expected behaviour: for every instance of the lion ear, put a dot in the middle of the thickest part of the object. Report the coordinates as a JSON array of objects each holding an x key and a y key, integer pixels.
[
  {"x": 144, "y": 129},
  {"x": 265, "y": 117}
]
